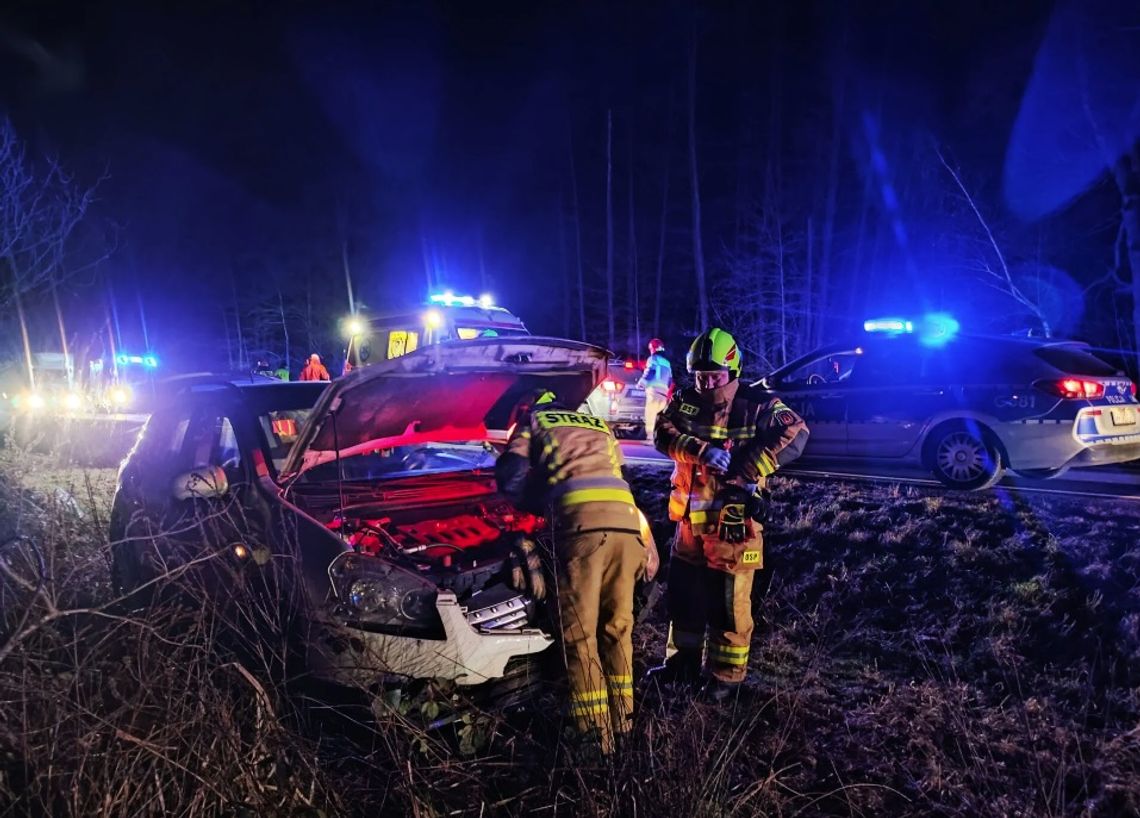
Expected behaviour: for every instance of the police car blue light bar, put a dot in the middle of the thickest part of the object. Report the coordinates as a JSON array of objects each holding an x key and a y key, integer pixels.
[
  {"x": 888, "y": 325},
  {"x": 450, "y": 299},
  {"x": 149, "y": 361}
]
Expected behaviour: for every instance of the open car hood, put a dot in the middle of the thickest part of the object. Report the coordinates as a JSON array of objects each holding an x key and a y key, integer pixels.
[{"x": 459, "y": 390}]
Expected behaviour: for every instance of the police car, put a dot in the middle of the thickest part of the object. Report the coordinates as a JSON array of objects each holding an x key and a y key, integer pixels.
[{"x": 965, "y": 407}]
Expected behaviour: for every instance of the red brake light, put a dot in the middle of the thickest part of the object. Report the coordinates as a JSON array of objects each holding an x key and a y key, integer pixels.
[
  {"x": 1074, "y": 388},
  {"x": 1132, "y": 386},
  {"x": 629, "y": 364},
  {"x": 612, "y": 386}
]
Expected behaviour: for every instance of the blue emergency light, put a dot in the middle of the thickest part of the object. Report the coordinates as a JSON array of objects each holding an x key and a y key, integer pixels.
[
  {"x": 149, "y": 361},
  {"x": 450, "y": 299},
  {"x": 932, "y": 329},
  {"x": 890, "y": 325}
]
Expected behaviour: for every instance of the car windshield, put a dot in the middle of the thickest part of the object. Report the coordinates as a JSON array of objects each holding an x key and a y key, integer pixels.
[{"x": 407, "y": 461}]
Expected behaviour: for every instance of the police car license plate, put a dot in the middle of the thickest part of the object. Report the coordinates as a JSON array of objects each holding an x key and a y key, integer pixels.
[{"x": 1123, "y": 416}]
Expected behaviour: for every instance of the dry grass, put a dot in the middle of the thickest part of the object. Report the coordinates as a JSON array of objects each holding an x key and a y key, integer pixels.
[{"x": 918, "y": 653}]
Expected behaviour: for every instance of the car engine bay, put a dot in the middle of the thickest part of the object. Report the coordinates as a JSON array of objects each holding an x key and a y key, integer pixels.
[{"x": 460, "y": 547}]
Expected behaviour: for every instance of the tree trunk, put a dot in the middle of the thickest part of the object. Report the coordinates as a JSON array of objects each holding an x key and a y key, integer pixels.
[
  {"x": 577, "y": 241},
  {"x": 664, "y": 223},
  {"x": 285, "y": 322},
  {"x": 242, "y": 363},
  {"x": 822, "y": 309},
  {"x": 695, "y": 186},
  {"x": 1127, "y": 173},
  {"x": 564, "y": 258},
  {"x": 610, "y": 231},
  {"x": 634, "y": 289}
]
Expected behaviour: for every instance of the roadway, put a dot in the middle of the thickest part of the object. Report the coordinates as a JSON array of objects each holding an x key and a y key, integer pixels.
[{"x": 1098, "y": 481}]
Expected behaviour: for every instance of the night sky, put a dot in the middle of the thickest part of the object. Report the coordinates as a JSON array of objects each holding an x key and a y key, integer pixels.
[{"x": 242, "y": 141}]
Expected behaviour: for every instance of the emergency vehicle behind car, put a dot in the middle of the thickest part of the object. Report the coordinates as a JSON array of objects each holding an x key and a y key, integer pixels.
[
  {"x": 618, "y": 400},
  {"x": 446, "y": 317},
  {"x": 965, "y": 407}
]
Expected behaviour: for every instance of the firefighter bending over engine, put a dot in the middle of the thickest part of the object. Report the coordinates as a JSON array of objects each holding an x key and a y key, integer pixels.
[
  {"x": 725, "y": 440},
  {"x": 657, "y": 381},
  {"x": 568, "y": 467}
]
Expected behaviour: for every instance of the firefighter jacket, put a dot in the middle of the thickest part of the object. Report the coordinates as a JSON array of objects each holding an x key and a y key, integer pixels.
[
  {"x": 568, "y": 466},
  {"x": 759, "y": 430},
  {"x": 658, "y": 375}
]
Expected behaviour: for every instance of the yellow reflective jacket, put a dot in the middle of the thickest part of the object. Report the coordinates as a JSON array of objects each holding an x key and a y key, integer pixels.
[
  {"x": 568, "y": 465},
  {"x": 760, "y": 432}
]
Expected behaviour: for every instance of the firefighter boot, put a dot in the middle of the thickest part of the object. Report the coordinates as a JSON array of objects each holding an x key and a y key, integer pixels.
[
  {"x": 718, "y": 691},
  {"x": 683, "y": 667}
]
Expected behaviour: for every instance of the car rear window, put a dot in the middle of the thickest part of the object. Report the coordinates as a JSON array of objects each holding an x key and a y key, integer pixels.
[{"x": 1075, "y": 361}]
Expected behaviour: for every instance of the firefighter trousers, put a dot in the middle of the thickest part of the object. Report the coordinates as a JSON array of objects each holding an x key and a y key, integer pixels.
[
  {"x": 655, "y": 403},
  {"x": 595, "y": 574},
  {"x": 710, "y": 611}
]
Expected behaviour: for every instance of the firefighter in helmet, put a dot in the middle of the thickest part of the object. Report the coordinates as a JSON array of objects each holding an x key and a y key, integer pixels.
[
  {"x": 568, "y": 467},
  {"x": 657, "y": 381},
  {"x": 725, "y": 439}
]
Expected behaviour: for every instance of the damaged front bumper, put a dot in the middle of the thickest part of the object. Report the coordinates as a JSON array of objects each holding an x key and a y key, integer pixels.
[{"x": 475, "y": 648}]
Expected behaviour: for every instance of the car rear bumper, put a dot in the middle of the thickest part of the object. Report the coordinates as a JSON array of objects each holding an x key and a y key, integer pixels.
[
  {"x": 1099, "y": 454},
  {"x": 466, "y": 655}
]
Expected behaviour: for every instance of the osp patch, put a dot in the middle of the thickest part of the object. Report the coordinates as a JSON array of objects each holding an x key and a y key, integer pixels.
[
  {"x": 689, "y": 409},
  {"x": 750, "y": 558}
]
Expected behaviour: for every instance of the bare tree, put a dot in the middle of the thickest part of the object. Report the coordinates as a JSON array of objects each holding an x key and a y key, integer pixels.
[
  {"x": 695, "y": 186},
  {"x": 610, "y": 230},
  {"x": 40, "y": 209},
  {"x": 1127, "y": 175},
  {"x": 577, "y": 239},
  {"x": 1000, "y": 278}
]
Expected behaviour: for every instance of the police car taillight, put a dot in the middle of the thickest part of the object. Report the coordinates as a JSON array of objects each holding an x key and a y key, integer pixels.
[
  {"x": 1132, "y": 386},
  {"x": 1073, "y": 388},
  {"x": 612, "y": 386}
]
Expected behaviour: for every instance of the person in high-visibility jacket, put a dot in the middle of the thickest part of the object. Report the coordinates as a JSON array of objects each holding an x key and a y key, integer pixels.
[
  {"x": 568, "y": 466},
  {"x": 726, "y": 440},
  {"x": 657, "y": 381}
]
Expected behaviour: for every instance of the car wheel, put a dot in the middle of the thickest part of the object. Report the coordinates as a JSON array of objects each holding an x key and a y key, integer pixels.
[
  {"x": 964, "y": 456},
  {"x": 1041, "y": 474}
]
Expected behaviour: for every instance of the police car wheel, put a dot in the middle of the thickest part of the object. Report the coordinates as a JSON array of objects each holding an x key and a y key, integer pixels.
[{"x": 964, "y": 457}]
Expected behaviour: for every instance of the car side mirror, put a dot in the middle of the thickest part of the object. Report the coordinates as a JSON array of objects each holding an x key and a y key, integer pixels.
[{"x": 203, "y": 483}]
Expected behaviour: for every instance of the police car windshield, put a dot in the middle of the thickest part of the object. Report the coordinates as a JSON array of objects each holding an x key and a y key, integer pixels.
[{"x": 406, "y": 461}]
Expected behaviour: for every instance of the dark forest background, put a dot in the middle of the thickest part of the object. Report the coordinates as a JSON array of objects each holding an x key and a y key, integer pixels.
[{"x": 223, "y": 181}]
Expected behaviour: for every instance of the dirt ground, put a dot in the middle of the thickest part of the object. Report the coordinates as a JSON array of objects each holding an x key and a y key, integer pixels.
[{"x": 918, "y": 652}]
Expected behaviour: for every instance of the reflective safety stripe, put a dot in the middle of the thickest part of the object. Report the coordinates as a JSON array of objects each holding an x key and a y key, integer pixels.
[
  {"x": 699, "y": 517},
  {"x": 728, "y": 654},
  {"x": 591, "y": 709},
  {"x": 574, "y": 498},
  {"x": 620, "y": 684},
  {"x": 589, "y": 696},
  {"x": 765, "y": 464}
]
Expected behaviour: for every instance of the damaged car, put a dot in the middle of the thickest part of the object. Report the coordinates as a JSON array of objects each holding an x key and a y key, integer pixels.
[{"x": 378, "y": 518}]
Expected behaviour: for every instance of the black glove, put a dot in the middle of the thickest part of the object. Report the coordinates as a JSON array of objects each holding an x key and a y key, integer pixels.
[
  {"x": 526, "y": 567},
  {"x": 732, "y": 526},
  {"x": 758, "y": 503}
]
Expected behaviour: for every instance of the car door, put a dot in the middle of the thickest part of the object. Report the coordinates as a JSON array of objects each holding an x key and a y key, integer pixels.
[
  {"x": 894, "y": 389},
  {"x": 814, "y": 389}
]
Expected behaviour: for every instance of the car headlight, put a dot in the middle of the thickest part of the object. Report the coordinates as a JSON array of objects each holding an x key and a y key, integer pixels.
[
  {"x": 73, "y": 401},
  {"x": 374, "y": 594},
  {"x": 120, "y": 396}
]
